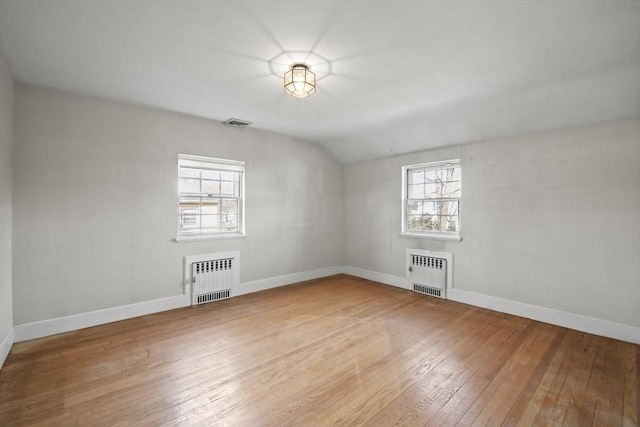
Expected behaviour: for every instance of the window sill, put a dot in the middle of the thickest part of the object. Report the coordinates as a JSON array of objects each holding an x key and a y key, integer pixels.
[
  {"x": 448, "y": 237},
  {"x": 229, "y": 236}
]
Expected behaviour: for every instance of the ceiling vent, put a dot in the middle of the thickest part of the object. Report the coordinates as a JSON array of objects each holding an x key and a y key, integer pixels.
[{"x": 237, "y": 123}]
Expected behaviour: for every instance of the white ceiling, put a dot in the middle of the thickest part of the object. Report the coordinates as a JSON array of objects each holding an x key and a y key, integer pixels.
[{"x": 394, "y": 76}]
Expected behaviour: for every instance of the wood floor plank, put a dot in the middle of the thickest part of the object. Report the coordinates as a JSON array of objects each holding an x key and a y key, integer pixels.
[
  {"x": 631, "y": 405},
  {"x": 581, "y": 404},
  {"x": 334, "y": 351},
  {"x": 497, "y": 399},
  {"x": 525, "y": 407}
]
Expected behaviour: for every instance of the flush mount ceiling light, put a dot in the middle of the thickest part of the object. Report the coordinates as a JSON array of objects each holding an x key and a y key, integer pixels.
[{"x": 299, "y": 81}]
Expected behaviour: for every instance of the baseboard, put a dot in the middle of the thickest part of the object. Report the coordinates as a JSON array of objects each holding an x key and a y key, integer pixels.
[
  {"x": 44, "y": 328},
  {"x": 58, "y": 325},
  {"x": 287, "y": 279},
  {"x": 5, "y": 346},
  {"x": 29, "y": 331},
  {"x": 592, "y": 325},
  {"x": 387, "y": 279}
]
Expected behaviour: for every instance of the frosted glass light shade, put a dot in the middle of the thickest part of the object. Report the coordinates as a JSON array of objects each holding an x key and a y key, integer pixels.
[{"x": 299, "y": 81}]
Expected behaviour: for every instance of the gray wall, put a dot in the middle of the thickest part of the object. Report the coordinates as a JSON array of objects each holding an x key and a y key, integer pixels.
[
  {"x": 550, "y": 219},
  {"x": 95, "y": 201},
  {"x": 6, "y": 149}
]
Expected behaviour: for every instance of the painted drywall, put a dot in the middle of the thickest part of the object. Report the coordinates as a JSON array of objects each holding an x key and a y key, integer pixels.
[
  {"x": 549, "y": 219},
  {"x": 6, "y": 153},
  {"x": 95, "y": 202}
]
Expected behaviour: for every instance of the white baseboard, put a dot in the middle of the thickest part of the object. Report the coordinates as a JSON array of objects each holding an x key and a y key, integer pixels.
[
  {"x": 287, "y": 279},
  {"x": 387, "y": 279},
  {"x": 44, "y": 328},
  {"x": 592, "y": 325},
  {"x": 58, "y": 325},
  {"x": 579, "y": 322},
  {"x": 5, "y": 346}
]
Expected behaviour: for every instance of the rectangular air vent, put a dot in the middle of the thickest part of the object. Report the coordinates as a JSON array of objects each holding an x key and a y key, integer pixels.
[
  {"x": 427, "y": 290},
  {"x": 213, "y": 296}
]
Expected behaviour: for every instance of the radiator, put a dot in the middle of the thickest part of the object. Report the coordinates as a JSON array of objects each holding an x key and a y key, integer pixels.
[
  {"x": 213, "y": 279},
  {"x": 427, "y": 274}
]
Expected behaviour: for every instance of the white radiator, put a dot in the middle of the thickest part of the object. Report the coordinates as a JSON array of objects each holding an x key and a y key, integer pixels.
[
  {"x": 214, "y": 279},
  {"x": 427, "y": 273}
]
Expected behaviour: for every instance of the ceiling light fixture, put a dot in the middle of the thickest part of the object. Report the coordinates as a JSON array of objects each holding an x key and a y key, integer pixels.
[{"x": 299, "y": 81}]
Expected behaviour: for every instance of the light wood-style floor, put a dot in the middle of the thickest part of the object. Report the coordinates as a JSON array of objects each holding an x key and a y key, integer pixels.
[{"x": 335, "y": 351}]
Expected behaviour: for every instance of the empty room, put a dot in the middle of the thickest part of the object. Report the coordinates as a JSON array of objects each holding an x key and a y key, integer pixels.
[{"x": 319, "y": 213}]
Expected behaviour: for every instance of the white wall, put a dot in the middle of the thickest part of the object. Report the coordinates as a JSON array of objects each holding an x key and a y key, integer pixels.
[
  {"x": 549, "y": 219},
  {"x": 95, "y": 192},
  {"x": 6, "y": 149}
]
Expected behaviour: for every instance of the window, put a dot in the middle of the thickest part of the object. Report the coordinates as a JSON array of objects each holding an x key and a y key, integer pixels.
[
  {"x": 210, "y": 196},
  {"x": 431, "y": 199}
]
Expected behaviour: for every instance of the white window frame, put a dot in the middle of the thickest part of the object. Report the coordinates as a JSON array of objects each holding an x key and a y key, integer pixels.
[
  {"x": 437, "y": 235},
  {"x": 210, "y": 163}
]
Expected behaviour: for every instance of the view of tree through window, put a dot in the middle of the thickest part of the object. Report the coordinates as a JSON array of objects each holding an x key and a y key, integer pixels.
[
  {"x": 210, "y": 196},
  {"x": 432, "y": 198}
]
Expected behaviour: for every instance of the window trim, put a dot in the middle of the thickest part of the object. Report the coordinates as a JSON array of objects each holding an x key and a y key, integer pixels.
[
  {"x": 435, "y": 235},
  {"x": 202, "y": 162}
]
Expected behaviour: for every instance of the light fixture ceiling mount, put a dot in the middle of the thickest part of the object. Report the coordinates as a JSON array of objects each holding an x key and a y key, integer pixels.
[{"x": 300, "y": 81}]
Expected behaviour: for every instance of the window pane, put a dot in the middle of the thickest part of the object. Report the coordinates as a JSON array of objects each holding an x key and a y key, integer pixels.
[
  {"x": 449, "y": 223},
  {"x": 432, "y": 191},
  {"x": 229, "y": 222},
  {"x": 423, "y": 223},
  {"x": 451, "y": 190},
  {"x": 416, "y": 191},
  {"x": 449, "y": 207},
  {"x": 211, "y": 206},
  {"x": 431, "y": 207},
  {"x": 432, "y": 175},
  {"x": 414, "y": 208},
  {"x": 228, "y": 188},
  {"x": 212, "y": 175},
  {"x": 229, "y": 176},
  {"x": 229, "y": 207},
  {"x": 455, "y": 176},
  {"x": 433, "y": 224},
  {"x": 189, "y": 173},
  {"x": 209, "y": 221},
  {"x": 187, "y": 185},
  {"x": 414, "y": 223},
  {"x": 210, "y": 187},
  {"x": 416, "y": 176}
]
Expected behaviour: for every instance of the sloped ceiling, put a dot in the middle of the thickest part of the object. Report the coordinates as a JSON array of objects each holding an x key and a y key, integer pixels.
[{"x": 394, "y": 76}]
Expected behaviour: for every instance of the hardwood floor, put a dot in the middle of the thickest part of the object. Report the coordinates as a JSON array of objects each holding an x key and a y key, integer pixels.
[{"x": 335, "y": 351}]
